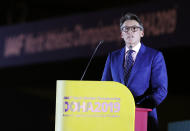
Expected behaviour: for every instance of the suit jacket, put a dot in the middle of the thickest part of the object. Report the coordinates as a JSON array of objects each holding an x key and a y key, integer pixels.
[{"x": 147, "y": 81}]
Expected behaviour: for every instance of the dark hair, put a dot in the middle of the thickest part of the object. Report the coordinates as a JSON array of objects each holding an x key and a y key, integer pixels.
[{"x": 130, "y": 16}]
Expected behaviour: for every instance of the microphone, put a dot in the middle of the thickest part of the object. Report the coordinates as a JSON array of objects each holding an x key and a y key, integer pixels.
[{"x": 91, "y": 59}]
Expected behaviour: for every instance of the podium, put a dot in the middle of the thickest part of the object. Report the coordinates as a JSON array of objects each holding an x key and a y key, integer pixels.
[
  {"x": 141, "y": 119},
  {"x": 96, "y": 106}
]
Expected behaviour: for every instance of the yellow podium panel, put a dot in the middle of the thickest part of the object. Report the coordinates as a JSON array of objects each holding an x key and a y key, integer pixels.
[{"x": 94, "y": 106}]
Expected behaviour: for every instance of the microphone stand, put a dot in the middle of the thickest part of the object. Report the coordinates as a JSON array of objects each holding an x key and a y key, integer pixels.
[{"x": 91, "y": 59}]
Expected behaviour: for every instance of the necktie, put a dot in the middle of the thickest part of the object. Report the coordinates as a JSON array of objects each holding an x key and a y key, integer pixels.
[{"x": 128, "y": 65}]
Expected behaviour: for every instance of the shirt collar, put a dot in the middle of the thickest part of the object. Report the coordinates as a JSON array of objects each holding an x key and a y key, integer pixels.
[{"x": 136, "y": 48}]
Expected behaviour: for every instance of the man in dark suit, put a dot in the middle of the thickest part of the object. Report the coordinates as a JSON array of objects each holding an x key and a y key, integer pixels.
[{"x": 140, "y": 68}]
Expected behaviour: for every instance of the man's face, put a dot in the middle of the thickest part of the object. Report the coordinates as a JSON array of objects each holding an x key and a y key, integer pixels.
[{"x": 131, "y": 32}]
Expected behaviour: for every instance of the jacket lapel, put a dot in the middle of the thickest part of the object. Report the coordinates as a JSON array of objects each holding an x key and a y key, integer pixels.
[{"x": 121, "y": 63}]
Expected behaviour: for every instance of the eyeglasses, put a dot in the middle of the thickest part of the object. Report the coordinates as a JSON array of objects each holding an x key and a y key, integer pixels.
[{"x": 133, "y": 28}]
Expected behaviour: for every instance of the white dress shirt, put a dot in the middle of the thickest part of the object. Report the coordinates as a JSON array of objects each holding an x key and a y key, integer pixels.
[{"x": 135, "y": 49}]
